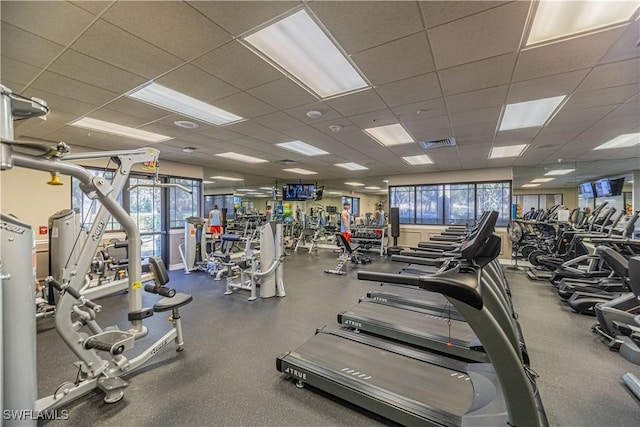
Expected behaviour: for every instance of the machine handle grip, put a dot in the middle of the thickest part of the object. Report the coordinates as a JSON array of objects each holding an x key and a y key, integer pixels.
[
  {"x": 403, "y": 279},
  {"x": 162, "y": 291}
]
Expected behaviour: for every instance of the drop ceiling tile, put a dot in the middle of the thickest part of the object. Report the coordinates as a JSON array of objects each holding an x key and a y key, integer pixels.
[
  {"x": 92, "y": 6},
  {"x": 300, "y": 113},
  {"x": 440, "y": 12},
  {"x": 117, "y": 117},
  {"x": 599, "y": 97},
  {"x": 420, "y": 110},
  {"x": 61, "y": 103},
  {"x": 361, "y": 25},
  {"x": 345, "y": 127},
  {"x": 75, "y": 89},
  {"x": 17, "y": 72},
  {"x": 357, "y": 103},
  {"x": 374, "y": 119},
  {"x": 573, "y": 117},
  {"x": 282, "y": 94},
  {"x": 629, "y": 108},
  {"x": 114, "y": 46},
  {"x": 257, "y": 131},
  {"x": 244, "y": 105},
  {"x": 429, "y": 129},
  {"x": 238, "y": 66},
  {"x": 546, "y": 87},
  {"x": 478, "y": 75},
  {"x": 419, "y": 88},
  {"x": 97, "y": 73},
  {"x": 221, "y": 133},
  {"x": 615, "y": 74},
  {"x": 476, "y": 132},
  {"x": 490, "y": 33},
  {"x": 483, "y": 98},
  {"x": 57, "y": 21},
  {"x": 517, "y": 136},
  {"x": 278, "y": 121},
  {"x": 172, "y": 26},
  {"x": 26, "y": 47},
  {"x": 625, "y": 47},
  {"x": 239, "y": 17},
  {"x": 199, "y": 84},
  {"x": 139, "y": 109},
  {"x": 476, "y": 116},
  {"x": 396, "y": 60},
  {"x": 561, "y": 57}
]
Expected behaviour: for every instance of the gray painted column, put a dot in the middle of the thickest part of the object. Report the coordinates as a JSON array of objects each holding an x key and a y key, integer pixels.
[{"x": 635, "y": 190}]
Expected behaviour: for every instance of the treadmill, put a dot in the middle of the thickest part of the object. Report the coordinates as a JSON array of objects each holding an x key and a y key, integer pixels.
[{"x": 418, "y": 388}]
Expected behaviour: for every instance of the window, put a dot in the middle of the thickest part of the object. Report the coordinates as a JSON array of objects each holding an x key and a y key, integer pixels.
[
  {"x": 224, "y": 201},
  {"x": 355, "y": 204},
  {"x": 182, "y": 205},
  {"x": 145, "y": 208},
  {"x": 537, "y": 201},
  {"x": 494, "y": 196},
  {"x": 404, "y": 198},
  {"x": 441, "y": 204},
  {"x": 459, "y": 203},
  {"x": 89, "y": 208},
  {"x": 429, "y": 204}
]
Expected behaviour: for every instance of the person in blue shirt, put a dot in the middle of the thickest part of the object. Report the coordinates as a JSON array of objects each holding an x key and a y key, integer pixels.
[
  {"x": 379, "y": 217},
  {"x": 345, "y": 222}
]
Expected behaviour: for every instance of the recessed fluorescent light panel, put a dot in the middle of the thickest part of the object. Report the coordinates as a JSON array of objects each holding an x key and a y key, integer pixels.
[
  {"x": 559, "y": 172},
  {"x": 421, "y": 159},
  {"x": 530, "y": 113},
  {"x": 226, "y": 178},
  {"x": 507, "y": 151},
  {"x": 171, "y": 100},
  {"x": 355, "y": 184},
  {"x": 299, "y": 46},
  {"x": 266, "y": 188},
  {"x": 114, "y": 129},
  {"x": 372, "y": 188},
  {"x": 622, "y": 141},
  {"x": 244, "y": 189},
  {"x": 300, "y": 171},
  {"x": 208, "y": 182},
  {"x": 351, "y": 166},
  {"x": 302, "y": 148},
  {"x": 241, "y": 157},
  {"x": 543, "y": 179},
  {"x": 530, "y": 185},
  {"x": 556, "y": 19},
  {"x": 390, "y": 135}
]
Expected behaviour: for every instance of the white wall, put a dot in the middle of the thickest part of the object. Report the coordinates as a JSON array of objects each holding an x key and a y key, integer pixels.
[{"x": 450, "y": 177}]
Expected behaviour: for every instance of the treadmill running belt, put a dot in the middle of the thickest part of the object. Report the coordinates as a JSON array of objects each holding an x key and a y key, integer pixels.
[
  {"x": 437, "y": 387},
  {"x": 421, "y": 323}
]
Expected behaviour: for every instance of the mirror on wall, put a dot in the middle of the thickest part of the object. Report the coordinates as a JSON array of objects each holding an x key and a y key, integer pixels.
[{"x": 565, "y": 179}]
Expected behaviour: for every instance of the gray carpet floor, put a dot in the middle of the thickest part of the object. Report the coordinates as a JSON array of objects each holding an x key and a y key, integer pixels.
[{"x": 226, "y": 376}]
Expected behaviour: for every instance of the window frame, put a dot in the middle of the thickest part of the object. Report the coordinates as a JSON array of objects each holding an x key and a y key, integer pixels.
[{"x": 442, "y": 219}]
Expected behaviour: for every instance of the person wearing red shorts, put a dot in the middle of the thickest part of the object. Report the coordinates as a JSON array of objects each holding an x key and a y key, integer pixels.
[
  {"x": 215, "y": 223},
  {"x": 345, "y": 222}
]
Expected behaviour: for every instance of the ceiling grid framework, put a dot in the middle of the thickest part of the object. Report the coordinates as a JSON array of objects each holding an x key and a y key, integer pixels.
[{"x": 442, "y": 69}]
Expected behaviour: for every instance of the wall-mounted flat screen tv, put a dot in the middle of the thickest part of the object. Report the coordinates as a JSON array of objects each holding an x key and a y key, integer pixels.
[
  {"x": 586, "y": 190},
  {"x": 616, "y": 186},
  {"x": 298, "y": 192},
  {"x": 603, "y": 187}
]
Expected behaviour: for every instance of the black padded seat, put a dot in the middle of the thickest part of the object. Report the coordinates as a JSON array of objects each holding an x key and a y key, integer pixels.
[
  {"x": 166, "y": 304},
  {"x": 231, "y": 237}
]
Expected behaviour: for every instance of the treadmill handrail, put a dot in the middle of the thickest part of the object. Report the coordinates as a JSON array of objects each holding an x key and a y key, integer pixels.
[{"x": 461, "y": 282}]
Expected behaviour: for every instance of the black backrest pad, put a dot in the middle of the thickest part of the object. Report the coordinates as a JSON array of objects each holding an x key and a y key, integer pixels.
[
  {"x": 471, "y": 247},
  {"x": 618, "y": 263},
  {"x": 634, "y": 275},
  {"x": 343, "y": 241},
  {"x": 159, "y": 270}
]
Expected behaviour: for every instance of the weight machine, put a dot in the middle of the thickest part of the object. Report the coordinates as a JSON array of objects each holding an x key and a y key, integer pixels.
[{"x": 75, "y": 313}]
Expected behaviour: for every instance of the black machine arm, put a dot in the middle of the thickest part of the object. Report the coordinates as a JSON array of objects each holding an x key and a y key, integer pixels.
[{"x": 461, "y": 283}]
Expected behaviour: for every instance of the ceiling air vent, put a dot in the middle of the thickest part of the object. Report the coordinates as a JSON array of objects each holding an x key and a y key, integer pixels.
[
  {"x": 286, "y": 162},
  {"x": 447, "y": 142}
]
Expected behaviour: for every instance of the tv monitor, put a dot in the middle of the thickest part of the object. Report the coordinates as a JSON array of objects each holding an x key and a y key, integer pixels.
[
  {"x": 603, "y": 187},
  {"x": 319, "y": 193},
  {"x": 616, "y": 186},
  {"x": 586, "y": 189},
  {"x": 298, "y": 192}
]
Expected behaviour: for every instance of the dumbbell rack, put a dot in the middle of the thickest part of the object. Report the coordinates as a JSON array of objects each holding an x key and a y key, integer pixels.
[{"x": 375, "y": 237}]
